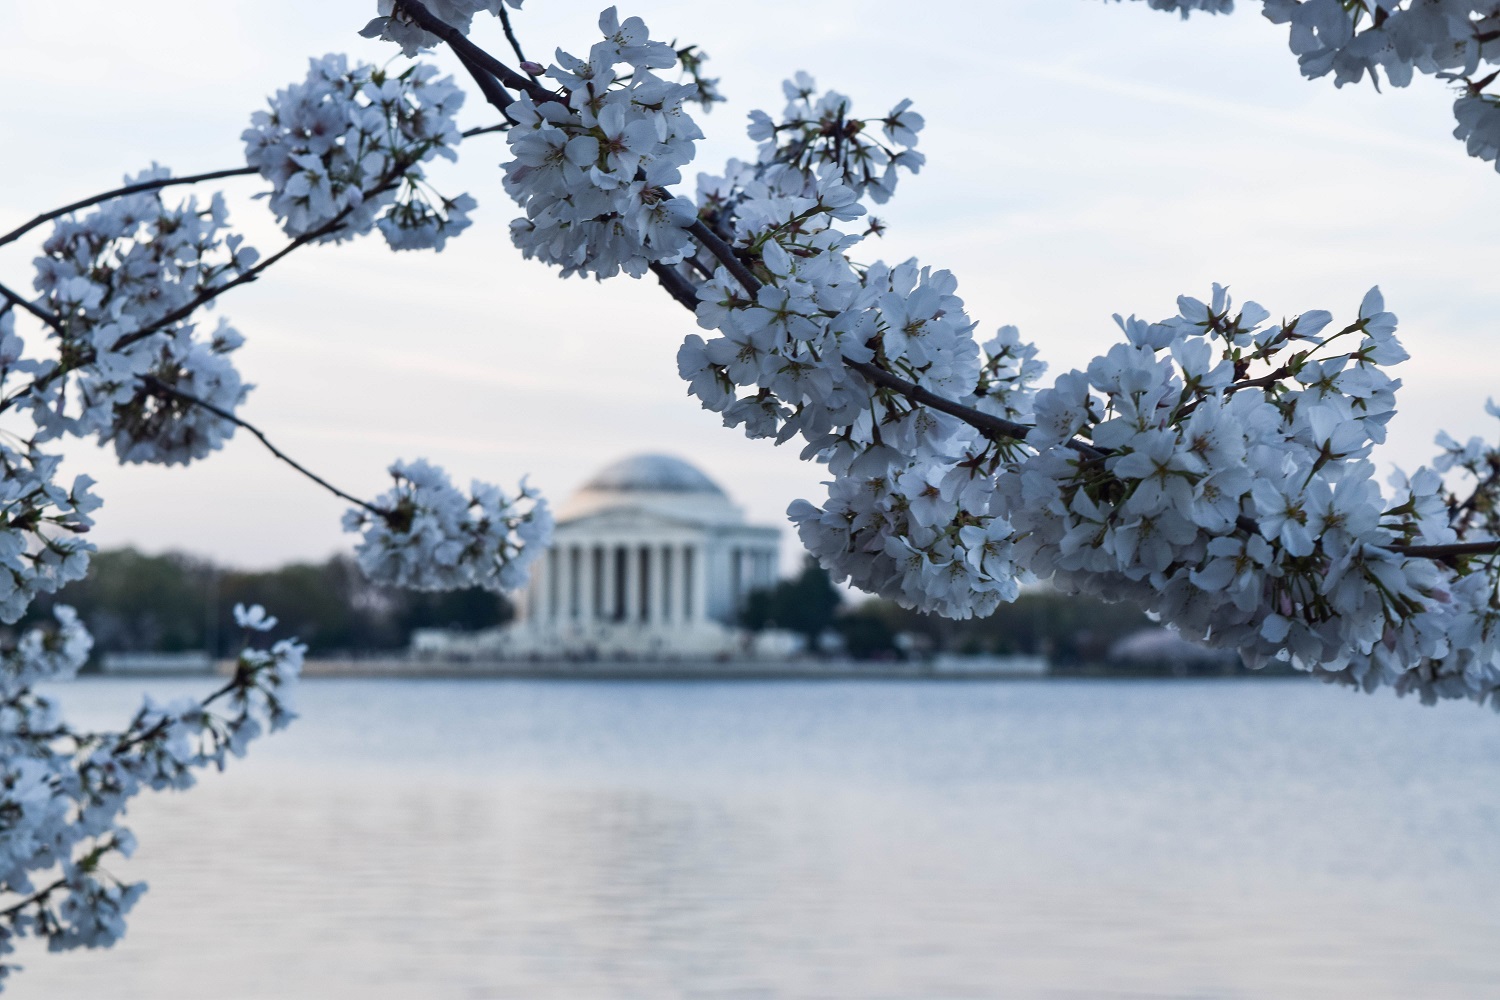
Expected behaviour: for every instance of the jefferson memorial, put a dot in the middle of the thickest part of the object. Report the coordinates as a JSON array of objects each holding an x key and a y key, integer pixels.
[{"x": 650, "y": 558}]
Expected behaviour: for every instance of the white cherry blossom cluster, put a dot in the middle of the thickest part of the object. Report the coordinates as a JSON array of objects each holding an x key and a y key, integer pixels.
[
  {"x": 929, "y": 532},
  {"x": 705, "y": 88},
  {"x": 816, "y": 142},
  {"x": 817, "y": 135},
  {"x": 1236, "y": 503},
  {"x": 908, "y": 509},
  {"x": 64, "y": 792},
  {"x": 425, "y": 534},
  {"x": 1297, "y": 562},
  {"x": 344, "y": 150},
  {"x": 591, "y": 166},
  {"x": 40, "y": 528},
  {"x": 1479, "y": 512},
  {"x": 909, "y": 517},
  {"x": 121, "y": 282},
  {"x": 1456, "y": 40}
]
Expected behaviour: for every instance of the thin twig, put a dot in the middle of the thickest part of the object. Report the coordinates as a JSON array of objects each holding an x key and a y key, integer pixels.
[
  {"x": 160, "y": 388},
  {"x": 510, "y": 36},
  {"x": 34, "y": 898},
  {"x": 121, "y": 192},
  {"x": 484, "y": 129}
]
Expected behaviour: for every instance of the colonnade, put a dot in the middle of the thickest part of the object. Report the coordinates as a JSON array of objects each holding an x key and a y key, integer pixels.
[
  {"x": 749, "y": 569},
  {"x": 592, "y": 582}
]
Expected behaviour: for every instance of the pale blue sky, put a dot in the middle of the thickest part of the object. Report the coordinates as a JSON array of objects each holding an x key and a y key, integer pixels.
[{"x": 1083, "y": 159}]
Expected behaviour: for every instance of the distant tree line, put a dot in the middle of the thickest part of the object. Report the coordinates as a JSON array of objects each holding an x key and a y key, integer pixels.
[
  {"x": 133, "y": 602},
  {"x": 1065, "y": 629},
  {"x": 1075, "y": 634},
  {"x": 175, "y": 602}
]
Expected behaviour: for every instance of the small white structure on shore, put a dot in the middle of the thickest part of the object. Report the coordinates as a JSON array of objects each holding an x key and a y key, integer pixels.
[
  {"x": 195, "y": 661},
  {"x": 650, "y": 558}
]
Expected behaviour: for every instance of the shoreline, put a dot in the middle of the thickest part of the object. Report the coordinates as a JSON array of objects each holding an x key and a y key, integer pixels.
[{"x": 692, "y": 670}]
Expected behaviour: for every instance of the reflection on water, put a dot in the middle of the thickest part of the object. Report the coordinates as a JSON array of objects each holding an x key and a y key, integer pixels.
[{"x": 518, "y": 839}]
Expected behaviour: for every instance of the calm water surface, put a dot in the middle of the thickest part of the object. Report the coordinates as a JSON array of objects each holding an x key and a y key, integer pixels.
[{"x": 518, "y": 839}]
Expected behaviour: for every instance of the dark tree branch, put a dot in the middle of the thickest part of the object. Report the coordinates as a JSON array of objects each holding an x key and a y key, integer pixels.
[
  {"x": 676, "y": 285},
  {"x": 991, "y": 425},
  {"x": 486, "y": 129},
  {"x": 159, "y": 388},
  {"x": 498, "y": 96},
  {"x": 35, "y": 310},
  {"x": 466, "y": 49},
  {"x": 128, "y": 189},
  {"x": 725, "y": 253},
  {"x": 1442, "y": 552}
]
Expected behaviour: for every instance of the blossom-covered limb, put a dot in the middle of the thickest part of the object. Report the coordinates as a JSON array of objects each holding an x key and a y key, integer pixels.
[
  {"x": 987, "y": 423},
  {"x": 725, "y": 254},
  {"x": 1225, "y": 481}
]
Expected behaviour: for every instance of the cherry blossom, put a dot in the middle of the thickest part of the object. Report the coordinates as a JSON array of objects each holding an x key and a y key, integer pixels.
[
  {"x": 344, "y": 150},
  {"x": 425, "y": 534}
]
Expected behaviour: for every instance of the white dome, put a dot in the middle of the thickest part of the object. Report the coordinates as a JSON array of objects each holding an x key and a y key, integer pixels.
[
  {"x": 661, "y": 484},
  {"x": 654, "y": 473}
]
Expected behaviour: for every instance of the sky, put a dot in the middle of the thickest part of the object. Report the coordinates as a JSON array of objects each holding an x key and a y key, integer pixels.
[{"x": 1084, "y": 159}]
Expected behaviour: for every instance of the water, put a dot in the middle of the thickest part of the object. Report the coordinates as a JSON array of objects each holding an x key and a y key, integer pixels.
[{"x": 521, "y": 839}]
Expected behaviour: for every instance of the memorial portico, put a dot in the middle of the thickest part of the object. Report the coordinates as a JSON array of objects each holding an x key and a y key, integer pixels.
[{"x": 649, "y": 558}]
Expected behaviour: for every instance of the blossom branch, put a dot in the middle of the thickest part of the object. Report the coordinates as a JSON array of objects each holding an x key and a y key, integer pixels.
[
  {"x": 1450, "y": 551},
  {"x": 676, "y": 285},
  {"x": 160, "y": 388},
  {"x": 978, "y": 419},
  {"x": 493, "y": 91},
  {"x": 1463, "y": 513},
  {"x": 986, "y": 422}
]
